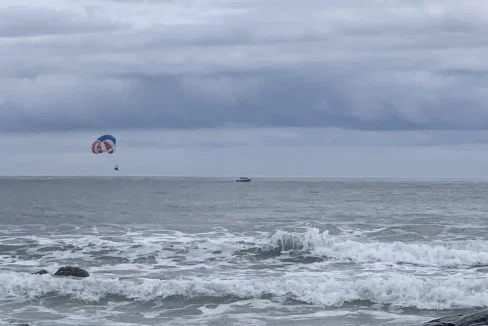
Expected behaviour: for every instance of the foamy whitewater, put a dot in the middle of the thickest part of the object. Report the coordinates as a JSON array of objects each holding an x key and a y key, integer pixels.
[{"x": 190, "y": 251}]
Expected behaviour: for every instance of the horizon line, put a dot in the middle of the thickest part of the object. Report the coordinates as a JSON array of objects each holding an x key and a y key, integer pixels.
[{"x": 233, "y": 177}]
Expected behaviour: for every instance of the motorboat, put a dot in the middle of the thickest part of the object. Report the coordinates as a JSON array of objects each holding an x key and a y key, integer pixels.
[{"x": 243, "y": 179}]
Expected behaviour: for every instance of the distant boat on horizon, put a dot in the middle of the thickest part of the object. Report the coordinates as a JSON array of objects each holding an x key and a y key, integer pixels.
[{"x": 243, "y": 179}]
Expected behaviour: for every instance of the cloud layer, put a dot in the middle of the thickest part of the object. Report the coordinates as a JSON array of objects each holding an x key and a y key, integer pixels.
[{"x": 352, "y": 64}]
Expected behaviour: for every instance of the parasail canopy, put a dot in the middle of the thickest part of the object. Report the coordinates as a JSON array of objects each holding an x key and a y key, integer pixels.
[{"x": 104, "y": 144}]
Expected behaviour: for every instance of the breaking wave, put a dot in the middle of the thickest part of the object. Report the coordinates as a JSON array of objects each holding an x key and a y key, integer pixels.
[
  {"x": 465, "y": 253},
  {"x": 324, "y": 289}
]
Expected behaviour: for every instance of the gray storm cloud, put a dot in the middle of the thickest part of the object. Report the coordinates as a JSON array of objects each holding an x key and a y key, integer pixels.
[
  {"x": 23, "y": 21},
  {"x": 378, "y": 65}
]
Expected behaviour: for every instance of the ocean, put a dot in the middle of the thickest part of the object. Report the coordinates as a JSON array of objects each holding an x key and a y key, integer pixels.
[{"x": 212, "y": 251}]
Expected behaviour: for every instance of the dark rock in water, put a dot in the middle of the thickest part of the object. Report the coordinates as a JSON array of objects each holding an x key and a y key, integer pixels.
[
  {"x": 71, "y": 271},
  {"x": 474, "y": 319},
  {"x": 66, "y": 271},
  {"x": 41, "y": 272},
  {"x": 22, "y": 325}
]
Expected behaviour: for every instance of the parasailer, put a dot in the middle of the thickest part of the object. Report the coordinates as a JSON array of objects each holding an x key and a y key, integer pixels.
[{"x": 105, "y": 144}]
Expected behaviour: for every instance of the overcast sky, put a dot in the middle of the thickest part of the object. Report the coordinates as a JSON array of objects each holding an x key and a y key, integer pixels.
[{"x": 369, "y": 88}]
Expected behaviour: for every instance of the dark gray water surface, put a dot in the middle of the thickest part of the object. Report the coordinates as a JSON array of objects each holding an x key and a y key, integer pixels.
[{"x": 195, "y": 251}]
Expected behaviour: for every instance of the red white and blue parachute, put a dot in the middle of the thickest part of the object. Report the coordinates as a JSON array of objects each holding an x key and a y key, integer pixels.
[{"x": 104, "y": 144}]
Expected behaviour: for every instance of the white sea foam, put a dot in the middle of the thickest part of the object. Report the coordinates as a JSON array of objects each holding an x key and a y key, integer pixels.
[
  {"x": 309, "y": 287},
  {"x": 151, "y": 252}
]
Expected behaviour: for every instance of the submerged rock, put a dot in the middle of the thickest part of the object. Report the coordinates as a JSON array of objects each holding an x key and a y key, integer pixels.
[
  {"x": 71, "y": 271},
  {"x": 41, "y": 272},
  {"x": 474, "y": 319}
]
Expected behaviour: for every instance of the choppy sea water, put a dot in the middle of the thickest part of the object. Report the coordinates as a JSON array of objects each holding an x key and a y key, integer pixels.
[{"x": 195, "y": 251}]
